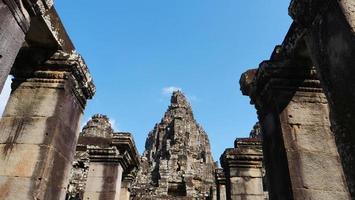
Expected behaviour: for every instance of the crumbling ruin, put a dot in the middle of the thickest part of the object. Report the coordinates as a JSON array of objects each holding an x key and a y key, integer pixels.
[
  {"x": 177, "y": 161},
  {"x": 104, "y": 163}
]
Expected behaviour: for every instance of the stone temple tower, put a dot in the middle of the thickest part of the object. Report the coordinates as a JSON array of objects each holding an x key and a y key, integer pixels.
[{"x": 177, "y": 161}]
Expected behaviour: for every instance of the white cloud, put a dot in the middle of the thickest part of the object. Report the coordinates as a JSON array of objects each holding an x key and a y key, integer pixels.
[
  {"x": 192, "y": 98},
  {"x": 169, "y": 90},
  {"x": 113, "y": 124},
  {"x": 5, "y": 94}
]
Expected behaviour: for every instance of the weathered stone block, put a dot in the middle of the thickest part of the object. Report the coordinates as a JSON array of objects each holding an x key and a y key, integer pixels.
[
  {"x": 42, "y": 169},
  {"x": 246, "y": 186},
  {"x": 306, "y": 168},
  {"x": 305, "y": 137}
]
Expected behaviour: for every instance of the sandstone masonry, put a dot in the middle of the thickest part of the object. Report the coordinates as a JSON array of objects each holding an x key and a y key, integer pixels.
[{"x": 177, "y": 162}]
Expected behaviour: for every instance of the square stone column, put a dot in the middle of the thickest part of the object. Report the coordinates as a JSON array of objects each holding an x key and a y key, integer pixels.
[
  {"x": 12, "y": 35},
  {"x": 40, "y": 126},
  {"x": 105, "y": 174},
  {"x": 301, "y": 158},
  {"x": 329, "y": 32},
  {"x": 221, "y": 184},
  {"x": 243, "y": 170},
  {"x": 127, "y": 180}
]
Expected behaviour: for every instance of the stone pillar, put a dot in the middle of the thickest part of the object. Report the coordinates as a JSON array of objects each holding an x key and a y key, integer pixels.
[
  {"x": 39, "y": 128},
  {"x": 15, "y": 17},
  {"x": 300, "y": 154},
  {"x": 14, "y": 24},
  {"x": 221, "y": 185},
  {"x": 243, "y": 170},
  {"x": 105, "y": 173},
  {"x": 126, "y": 186},
  {"x": 329, "y": 28}
]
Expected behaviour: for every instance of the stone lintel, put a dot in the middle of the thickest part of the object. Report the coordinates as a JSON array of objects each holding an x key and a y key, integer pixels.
[
  {"x": 58, "y": 67},
  {"x": 47, "y": 31}
]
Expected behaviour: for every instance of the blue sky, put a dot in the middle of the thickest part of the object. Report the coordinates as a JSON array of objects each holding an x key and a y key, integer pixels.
[{"x": 137, "y": 49}]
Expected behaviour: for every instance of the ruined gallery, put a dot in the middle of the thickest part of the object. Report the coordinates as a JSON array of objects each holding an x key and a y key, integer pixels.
[{"x": 302, "y": 147}]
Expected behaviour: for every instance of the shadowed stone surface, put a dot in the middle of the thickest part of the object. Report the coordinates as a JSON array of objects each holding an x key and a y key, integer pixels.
[
  {"x": 177, "y": 162},
  {"x": 328, "y": 28},
  {"x": 299, "y": 148}
]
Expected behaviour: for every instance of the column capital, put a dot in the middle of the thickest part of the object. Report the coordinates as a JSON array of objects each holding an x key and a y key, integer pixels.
[
  {"x": 220, "y": 176},
  {"x": 278, "y": 79},
  {"x": 103, "y": 154},
  {"x": 46, "y": 68},
  {"x": 246, "y": 154},
  {"x": 126, "y": 145}
]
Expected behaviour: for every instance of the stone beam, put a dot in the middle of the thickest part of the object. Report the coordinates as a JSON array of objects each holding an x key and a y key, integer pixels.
[
  {"x": 299, "y": 149},
  {"x": 243, "y": 170},
  {"x": 329, "y": 27},
  {"x": 47, "y": 31},
  {"x": 40, "y": 126}
]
